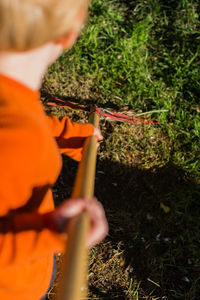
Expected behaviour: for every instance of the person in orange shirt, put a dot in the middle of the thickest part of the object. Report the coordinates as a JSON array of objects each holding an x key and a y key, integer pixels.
[{"x": 33, "y": 33}]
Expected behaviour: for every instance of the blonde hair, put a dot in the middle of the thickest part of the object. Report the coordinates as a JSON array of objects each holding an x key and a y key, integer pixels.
[{"x": 27, "y": 24}]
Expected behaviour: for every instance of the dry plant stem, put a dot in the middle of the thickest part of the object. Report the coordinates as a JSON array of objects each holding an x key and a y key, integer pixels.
[{"x": 75, "y": 260}]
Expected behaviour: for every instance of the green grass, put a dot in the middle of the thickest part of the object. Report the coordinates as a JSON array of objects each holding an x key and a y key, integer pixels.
[{"x": 144, "y": 56}]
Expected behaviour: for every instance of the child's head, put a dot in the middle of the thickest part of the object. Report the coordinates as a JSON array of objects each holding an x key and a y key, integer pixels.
[{"x": 28, "y": 24}]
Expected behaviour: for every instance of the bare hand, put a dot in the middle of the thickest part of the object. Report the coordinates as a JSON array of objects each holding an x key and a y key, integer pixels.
[
  {"x": 73, "y": 207},
  {"x": 97, "y": 133}
]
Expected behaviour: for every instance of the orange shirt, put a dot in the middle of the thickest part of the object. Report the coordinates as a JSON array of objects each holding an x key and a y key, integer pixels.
[{"x": 30, "y": 163}]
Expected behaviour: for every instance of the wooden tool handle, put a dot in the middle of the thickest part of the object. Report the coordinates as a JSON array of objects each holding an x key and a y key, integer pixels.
[{"x": 74, "y": 285}]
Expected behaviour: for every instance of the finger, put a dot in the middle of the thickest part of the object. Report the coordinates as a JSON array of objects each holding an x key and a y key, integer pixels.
[
  {"x": 98, "y": 134},
  {"x": 71, "y": 208},
  {"x": 99, "y": 225},
  {"x": 97, "y": 233}
]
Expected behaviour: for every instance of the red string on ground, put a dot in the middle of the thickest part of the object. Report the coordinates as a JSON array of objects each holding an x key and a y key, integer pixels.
[{"x": 103, "y": 113}]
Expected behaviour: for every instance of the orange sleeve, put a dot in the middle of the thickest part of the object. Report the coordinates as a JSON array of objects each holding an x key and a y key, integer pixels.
[
  {"x": 24, "y": 234},
  {"x": 70, "y": 136},
  {"x": 27, "y": 236}
]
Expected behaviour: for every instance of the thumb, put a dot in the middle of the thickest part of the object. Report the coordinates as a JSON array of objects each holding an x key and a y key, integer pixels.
[{"x": 71, "y": 208}]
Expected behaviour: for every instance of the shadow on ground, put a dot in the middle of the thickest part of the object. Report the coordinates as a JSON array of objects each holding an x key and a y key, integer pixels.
[{"x": 154, "y": 215}]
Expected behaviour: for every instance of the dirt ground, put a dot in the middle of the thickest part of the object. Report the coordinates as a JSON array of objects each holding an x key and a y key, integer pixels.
[{"x": 150, "y": 252}]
